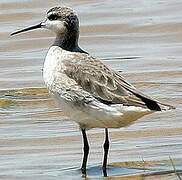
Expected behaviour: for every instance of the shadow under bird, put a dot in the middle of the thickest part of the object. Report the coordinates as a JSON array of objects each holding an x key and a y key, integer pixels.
[{"x": 89, "y": 92}]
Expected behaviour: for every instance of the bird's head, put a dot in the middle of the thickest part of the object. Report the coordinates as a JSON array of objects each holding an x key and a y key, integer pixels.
[{"x": 60, "y": 20}]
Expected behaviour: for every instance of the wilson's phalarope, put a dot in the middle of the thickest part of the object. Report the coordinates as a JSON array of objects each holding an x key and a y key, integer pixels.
[{"x": 89, "y": 92}]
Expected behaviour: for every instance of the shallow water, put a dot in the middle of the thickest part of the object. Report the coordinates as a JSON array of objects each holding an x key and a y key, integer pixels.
[{"x": 143, "y": 39}]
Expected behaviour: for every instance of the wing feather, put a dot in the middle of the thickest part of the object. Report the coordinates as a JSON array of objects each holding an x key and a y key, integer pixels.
[{"x": 105, "y": 84}]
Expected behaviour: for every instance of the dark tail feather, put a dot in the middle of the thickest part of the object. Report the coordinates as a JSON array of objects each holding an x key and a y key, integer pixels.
[
  {"x": 151, "y": 104},
  {"x": 165, "y": 107},
  {"x": 154, "y": 105}
]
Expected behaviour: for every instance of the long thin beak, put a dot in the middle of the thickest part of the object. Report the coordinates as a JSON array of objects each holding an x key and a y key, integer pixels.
[{"x": 27, "y": 29}]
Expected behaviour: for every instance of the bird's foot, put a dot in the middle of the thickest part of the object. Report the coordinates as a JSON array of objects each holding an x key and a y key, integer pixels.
[
  {"x": 84, "y": 175},
  {"x": 105, "y": 172}
]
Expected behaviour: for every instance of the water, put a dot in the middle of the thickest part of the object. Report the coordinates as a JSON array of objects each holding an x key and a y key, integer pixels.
[{"x": 140, "y": 38}]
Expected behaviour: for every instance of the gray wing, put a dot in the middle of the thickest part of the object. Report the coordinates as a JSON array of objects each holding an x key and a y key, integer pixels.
[{"x": 105, "y": 84}]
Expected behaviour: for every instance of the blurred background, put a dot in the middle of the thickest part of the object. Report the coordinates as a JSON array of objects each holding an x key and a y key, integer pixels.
[{"x": 142, "y": 39}]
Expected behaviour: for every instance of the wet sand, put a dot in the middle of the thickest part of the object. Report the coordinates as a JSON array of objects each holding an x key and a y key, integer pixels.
[{"x": 143, "y": 40}]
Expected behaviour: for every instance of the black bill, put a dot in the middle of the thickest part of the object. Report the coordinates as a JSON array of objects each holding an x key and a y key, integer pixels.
[{"x": 27, "y": 29}]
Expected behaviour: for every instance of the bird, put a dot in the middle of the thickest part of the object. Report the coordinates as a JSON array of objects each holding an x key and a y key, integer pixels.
[{"x": 89, "y": 92}]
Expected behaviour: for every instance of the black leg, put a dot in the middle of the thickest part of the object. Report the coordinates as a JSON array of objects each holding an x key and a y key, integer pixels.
[
  {"x": 106, "y": 149},
  {"x": 86, "y": 152}
]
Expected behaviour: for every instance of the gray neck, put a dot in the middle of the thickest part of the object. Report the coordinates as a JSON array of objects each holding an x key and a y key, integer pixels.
[{"x": 69, "y": 41}]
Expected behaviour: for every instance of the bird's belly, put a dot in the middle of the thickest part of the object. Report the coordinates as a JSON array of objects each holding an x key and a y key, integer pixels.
[
  {"x": 101, "y": 119},
  {"x": 95, "y": 117}
]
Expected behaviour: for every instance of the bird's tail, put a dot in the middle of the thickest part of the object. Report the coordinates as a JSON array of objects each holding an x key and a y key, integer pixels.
[{"x": 165, "y": 107}]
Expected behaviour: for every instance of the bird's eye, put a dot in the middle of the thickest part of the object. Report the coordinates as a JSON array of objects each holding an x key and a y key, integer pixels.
[{"x": 53, "y": 17}]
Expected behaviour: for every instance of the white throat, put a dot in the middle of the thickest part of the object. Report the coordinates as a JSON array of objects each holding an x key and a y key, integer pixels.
[{"x": 56, "y": 26}]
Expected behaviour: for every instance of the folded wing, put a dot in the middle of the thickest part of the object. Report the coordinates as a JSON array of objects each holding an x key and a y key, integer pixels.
[{"x": 106, "y": 85}]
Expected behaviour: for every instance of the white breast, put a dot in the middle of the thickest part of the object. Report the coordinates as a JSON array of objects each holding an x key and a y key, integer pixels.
[{"x": 53, "y": 65}]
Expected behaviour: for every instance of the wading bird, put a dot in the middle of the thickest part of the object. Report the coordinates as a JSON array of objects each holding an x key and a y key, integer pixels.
[{"x": 89, "y": 92}]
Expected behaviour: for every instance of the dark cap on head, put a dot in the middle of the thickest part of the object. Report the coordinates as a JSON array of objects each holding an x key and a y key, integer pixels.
[{"x": 64, "y": 14}]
